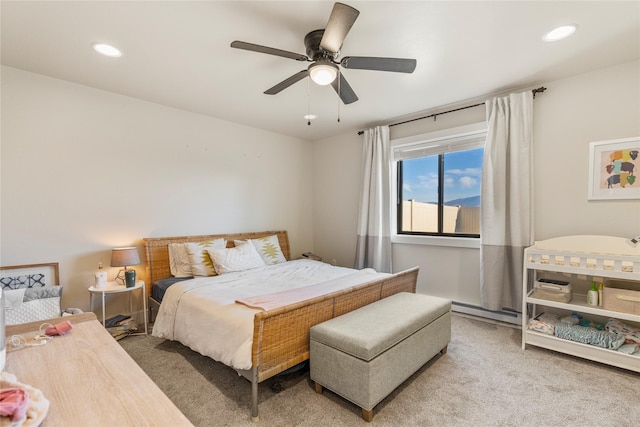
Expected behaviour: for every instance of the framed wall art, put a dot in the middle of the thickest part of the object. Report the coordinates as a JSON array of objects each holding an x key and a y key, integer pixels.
[
  {"x": 614, "y": 169},
  {"x": 29, "y": 276}
]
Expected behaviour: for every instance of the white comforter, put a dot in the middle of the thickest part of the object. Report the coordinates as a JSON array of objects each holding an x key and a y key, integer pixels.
[{"x": 202, "y": 313}]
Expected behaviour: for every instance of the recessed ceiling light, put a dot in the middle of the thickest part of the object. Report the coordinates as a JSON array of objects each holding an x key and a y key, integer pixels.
[
  {"x": 310, "y": 117},
  {"x": 106, "y": 50},
  {"x": 560, "y": 33}
]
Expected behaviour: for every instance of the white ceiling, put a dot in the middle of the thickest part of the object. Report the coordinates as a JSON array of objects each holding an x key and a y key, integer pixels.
[{"x": 177, "y": 53}]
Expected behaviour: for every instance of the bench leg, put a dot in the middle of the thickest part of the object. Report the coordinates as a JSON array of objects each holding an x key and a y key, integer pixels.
[
  {"x": 444, "y": 350},
  {"x": 367, "y": 414},
  {"x": 318, "y": 388}
]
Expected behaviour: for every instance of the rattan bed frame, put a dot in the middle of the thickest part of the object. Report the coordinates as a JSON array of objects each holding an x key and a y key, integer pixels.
[{"x": 281, "y": 336}]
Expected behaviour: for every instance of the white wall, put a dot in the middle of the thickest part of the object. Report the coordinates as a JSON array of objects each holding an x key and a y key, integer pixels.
[
  {"x": 600, "y": 105},
  {"x": 85, "y": 170},
  {"x": 337, "y": 180}
]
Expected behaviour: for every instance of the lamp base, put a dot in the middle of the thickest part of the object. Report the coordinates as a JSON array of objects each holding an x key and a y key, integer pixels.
[{"x": 119, "y": 279}]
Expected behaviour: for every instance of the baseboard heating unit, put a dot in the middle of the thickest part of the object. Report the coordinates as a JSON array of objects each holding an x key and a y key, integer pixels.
[{"x": 502, "y": 316}]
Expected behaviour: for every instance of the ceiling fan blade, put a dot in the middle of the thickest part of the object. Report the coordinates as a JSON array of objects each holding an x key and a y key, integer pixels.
[
  {"x": 287, "y": 82},
  {"x": 269, "y": 50},
  {"x": 340, "y": 22},
  {"x": 344, "y": 92},
  {"x": 398, "y": 65}
]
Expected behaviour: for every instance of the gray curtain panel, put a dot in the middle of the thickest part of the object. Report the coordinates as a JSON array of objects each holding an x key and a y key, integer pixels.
[
  {"x": 373, "y": 247},
  {"x": 506, "y": 212}
]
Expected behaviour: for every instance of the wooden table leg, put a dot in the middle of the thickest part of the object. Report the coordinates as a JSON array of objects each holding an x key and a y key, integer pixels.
[{"x": 367, "y": 414}]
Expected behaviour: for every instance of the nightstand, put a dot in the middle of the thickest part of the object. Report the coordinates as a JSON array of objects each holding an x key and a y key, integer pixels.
[
  {"x": 116, "y": 288},
  {"x": 312, "y": 256}
]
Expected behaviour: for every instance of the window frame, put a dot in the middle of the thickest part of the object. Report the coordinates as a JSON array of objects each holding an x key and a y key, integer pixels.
[{"x": 429, "y": 144}]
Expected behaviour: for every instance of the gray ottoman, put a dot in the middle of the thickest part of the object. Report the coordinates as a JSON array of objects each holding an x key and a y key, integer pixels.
[{"x": 365, "y": 354}]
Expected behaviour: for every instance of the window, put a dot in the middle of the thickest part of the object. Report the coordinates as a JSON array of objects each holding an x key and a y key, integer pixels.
[{"x": 438, "y": 182}]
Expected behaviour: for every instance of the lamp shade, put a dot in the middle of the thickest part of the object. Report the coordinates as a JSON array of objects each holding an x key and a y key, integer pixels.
[
  {"x": 323, "y": 72},
  {"x": 123, "y": 257}
]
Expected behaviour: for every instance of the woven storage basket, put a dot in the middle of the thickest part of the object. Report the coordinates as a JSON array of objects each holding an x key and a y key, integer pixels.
[{"x": 622, "y": 296}]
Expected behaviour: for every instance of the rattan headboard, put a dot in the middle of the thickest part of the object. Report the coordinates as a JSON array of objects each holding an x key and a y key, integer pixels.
[{"x": 157, "y": 252}]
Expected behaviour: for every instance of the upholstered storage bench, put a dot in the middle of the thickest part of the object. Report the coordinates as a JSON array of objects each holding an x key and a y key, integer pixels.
[{"x": 365, "y": 354}]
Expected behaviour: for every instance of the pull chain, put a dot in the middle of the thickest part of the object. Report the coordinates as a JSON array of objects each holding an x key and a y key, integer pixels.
[
  {"x": 339, "y": 95},
  {"x": 308, "y": 102}
]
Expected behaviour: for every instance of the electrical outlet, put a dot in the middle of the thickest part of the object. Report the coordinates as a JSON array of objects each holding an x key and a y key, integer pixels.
[{"x": 333, "y": 261}]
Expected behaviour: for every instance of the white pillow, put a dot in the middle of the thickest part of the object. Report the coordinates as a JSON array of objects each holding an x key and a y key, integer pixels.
[
  {"x": 239, "y": 258},
  {"x": 268, "y": 248},
  {"x": 32, "y": 304},
  {"x": 201, "y": 264},
  {"x": 179, "y": 261}
]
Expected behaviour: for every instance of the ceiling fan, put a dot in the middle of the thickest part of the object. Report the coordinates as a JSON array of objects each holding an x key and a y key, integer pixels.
[{"x": 323, "y": 50}]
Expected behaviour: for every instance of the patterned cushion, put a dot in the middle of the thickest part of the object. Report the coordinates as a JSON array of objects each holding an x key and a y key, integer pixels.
[
  {"x": 36, "y": 304},
  {"x": 268, "y": 248},
  {"x": 179, "y": 261},
  {"x": 201, "y": 264},
  {"x": 239, "y": 258}
]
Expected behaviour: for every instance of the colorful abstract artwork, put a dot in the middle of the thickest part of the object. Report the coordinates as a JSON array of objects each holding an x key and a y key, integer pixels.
[{"x": 614, "y": 169}]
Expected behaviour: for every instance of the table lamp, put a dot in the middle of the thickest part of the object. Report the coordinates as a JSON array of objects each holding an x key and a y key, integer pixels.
[{"x": 124, "y": 257}]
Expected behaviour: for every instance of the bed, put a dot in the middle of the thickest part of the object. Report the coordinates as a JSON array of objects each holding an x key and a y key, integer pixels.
[{"x": 278, "y": 335}]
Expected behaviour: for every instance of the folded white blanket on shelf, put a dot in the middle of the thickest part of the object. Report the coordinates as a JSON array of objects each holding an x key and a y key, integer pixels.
[
  {"x": 544, "y": 323},
  {"x": 629, "y": 333}
]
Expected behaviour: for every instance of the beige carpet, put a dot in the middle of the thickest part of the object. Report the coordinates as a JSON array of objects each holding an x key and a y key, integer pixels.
[{"x": 485, "y": 379}]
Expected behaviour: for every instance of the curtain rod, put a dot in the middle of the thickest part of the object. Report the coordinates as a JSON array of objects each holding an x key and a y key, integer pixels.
[{"x": 434, "y": 115}]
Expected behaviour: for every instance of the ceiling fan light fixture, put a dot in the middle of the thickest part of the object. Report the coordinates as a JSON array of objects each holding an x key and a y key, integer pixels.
[{"x": 323, "y": 73}]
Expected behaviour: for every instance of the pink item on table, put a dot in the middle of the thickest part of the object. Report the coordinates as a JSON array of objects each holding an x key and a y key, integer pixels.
[
  {"x": 59, "y": 328},
  {"x": 14, "y": 403}
]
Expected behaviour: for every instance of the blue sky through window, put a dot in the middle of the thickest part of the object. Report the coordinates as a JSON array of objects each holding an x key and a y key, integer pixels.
[{"x": 462, "y": 175}]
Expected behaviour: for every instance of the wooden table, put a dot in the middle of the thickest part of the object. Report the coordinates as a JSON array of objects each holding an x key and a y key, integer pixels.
[{"x": 89, "y": 379}]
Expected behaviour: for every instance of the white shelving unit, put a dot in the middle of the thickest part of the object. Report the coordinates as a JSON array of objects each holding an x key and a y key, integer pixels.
[{"x": 585, "y": 258}]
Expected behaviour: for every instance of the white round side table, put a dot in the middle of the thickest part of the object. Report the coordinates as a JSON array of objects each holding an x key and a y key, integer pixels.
[{"x": 116, "y": 288}]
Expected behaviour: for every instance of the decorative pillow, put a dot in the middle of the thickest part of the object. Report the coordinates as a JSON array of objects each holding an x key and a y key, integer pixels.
[
  {"x": 268, "y": 248},
  {"x": 32, "y": 304},
  {"x": 201, "y": 264},
  {"x": 179, "y": 261},
  {"x": 239, "y": 258}
]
